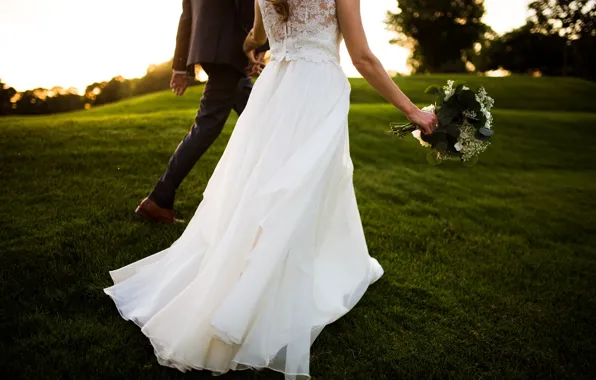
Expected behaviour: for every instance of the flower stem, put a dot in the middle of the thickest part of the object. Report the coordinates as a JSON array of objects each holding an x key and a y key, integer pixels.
[{"x": 403, "y": 130}]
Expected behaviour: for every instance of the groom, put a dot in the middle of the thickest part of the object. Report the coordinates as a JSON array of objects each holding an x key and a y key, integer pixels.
[{"x": 210, "y": 33}]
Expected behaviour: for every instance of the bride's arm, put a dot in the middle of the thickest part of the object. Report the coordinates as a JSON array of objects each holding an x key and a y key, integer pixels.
[
  {"x": 368, "y": 65},
  {"x": 257, "y": 36}
]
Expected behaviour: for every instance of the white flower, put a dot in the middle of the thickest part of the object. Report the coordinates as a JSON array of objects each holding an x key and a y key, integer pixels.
[
  {"x": 486, "y": 102},
  {"x": 449, "y": 90},
  {"x": 479, "y": 100},
  {"x": 429, "y": 109},
  {"x": 416, "y": 134},
  {"x": 489, "y": 120},
  {"x": 465, "y": 88},
  {"x": 458, "y": 146}
]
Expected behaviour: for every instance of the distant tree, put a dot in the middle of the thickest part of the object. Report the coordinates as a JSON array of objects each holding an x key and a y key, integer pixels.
[
  {"x": 61, "y": 100},
  {"x": 44, "y": 101},
  {"x": 583, "y": 53},
  {"x": 92, "y": 90},
  {"x": 116, "y": 89},
  {"x": 476, "y": 55},
  {"x": 571, "y": 19},
  {"x": 157, "y": 78},
  {"x": 32, "y": 102},
  {"x": 575, "y": 22},
  {"x": 524, "y": 51},
  {"x": 6, "y": 94},
  {"x": 439, "y": 32}
]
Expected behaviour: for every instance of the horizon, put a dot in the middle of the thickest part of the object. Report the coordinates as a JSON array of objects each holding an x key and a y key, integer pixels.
[{"x": 127, "y": 46}]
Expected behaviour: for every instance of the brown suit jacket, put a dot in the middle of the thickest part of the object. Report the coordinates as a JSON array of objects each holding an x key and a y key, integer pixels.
[{"x": 213, "y": 31}]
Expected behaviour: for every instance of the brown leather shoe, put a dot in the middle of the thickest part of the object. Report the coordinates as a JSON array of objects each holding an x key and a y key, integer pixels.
[{"x": 151, "y": 211}]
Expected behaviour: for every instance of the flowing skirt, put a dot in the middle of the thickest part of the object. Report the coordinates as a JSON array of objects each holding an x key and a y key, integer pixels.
[{"x": 275, "y": 251}]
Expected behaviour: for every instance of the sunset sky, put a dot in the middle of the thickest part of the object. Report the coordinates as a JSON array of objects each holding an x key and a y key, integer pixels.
[{"x": 73, "y": 43}]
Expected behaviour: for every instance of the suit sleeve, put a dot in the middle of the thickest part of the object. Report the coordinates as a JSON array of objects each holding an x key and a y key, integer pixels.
[
  {"x": 263, "y": 48},
  {"x": 246, "y": 13},
  {"x": 183, "y": 38}
]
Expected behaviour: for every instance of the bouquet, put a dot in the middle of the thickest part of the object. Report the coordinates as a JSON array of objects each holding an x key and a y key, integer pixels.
[{"x": 465, "y": 124}]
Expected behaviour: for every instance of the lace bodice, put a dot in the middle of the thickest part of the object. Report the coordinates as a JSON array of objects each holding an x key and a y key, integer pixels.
[{"x": 311, "y": 33}]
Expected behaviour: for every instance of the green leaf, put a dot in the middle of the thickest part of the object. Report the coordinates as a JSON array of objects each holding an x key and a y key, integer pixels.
[
  {"x": 428, "y": 138},
  {"x": 449, "y": 111},
  {"x": 484, "y": 134},
  {"x": 442, "y": 145},
  {"x": 437, "y": 140},
  {"x": 480, "y": 120},
  {"x": 433, "y": 90},
  {"x": 467, "y": 98},
  {"x": 459, "y": 89},
  {"x": 453, "y": 102},
  {"x": 453, "y": 130}
]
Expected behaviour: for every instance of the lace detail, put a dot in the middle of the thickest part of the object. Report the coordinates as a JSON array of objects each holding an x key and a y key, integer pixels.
[{"x": 312, "y": 32}]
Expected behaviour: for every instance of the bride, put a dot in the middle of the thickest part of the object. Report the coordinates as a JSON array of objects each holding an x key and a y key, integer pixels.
[{"x": 276, "y": 249}]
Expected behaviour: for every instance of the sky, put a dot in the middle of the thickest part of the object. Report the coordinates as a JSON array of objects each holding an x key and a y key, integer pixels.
[{"x": 73, "y": 43}]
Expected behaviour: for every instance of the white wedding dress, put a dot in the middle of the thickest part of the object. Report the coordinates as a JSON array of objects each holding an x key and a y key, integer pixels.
[{"x": 276, "y": 250}]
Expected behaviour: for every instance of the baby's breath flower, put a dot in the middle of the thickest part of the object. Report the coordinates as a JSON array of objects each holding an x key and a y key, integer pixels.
[
  {"x": 470, "y": 146},
  {"x": 470, "y": 114}
]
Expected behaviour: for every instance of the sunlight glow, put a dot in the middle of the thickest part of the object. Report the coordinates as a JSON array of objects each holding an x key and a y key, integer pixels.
[
  {"x": 73, "y": 43},
  {"x": 202, "y": 76},
  {"x": 77, "y": 42},
  {"x": 500, "y": 72}
]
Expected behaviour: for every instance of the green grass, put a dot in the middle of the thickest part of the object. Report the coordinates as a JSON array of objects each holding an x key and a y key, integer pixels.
[
  {"x": 514, "y": 92},
  {"x": 489, "y": 271}
]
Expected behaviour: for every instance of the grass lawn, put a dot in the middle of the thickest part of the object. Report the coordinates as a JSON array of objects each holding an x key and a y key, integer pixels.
[{"x": 489, "y": 271}]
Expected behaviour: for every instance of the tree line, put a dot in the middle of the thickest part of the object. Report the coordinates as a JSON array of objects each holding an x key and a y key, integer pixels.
[
  {"x": 41, "y": 101},
  {"x": 445, "y": 36},
  {"x": 559, "y": 38}
]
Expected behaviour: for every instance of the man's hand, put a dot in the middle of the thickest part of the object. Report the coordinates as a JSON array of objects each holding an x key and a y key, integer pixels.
[
  {"x": 179, "y": 83},
  {"x": 257, "y": 67}
]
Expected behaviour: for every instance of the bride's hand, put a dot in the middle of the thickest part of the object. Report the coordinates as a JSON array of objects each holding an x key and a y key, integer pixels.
[
  {"x": 250, "y": 46},
  {"x": 426, "y": 122},
  {"x": 257, "y": 69},
  {"x": 256, "y": 59}
]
